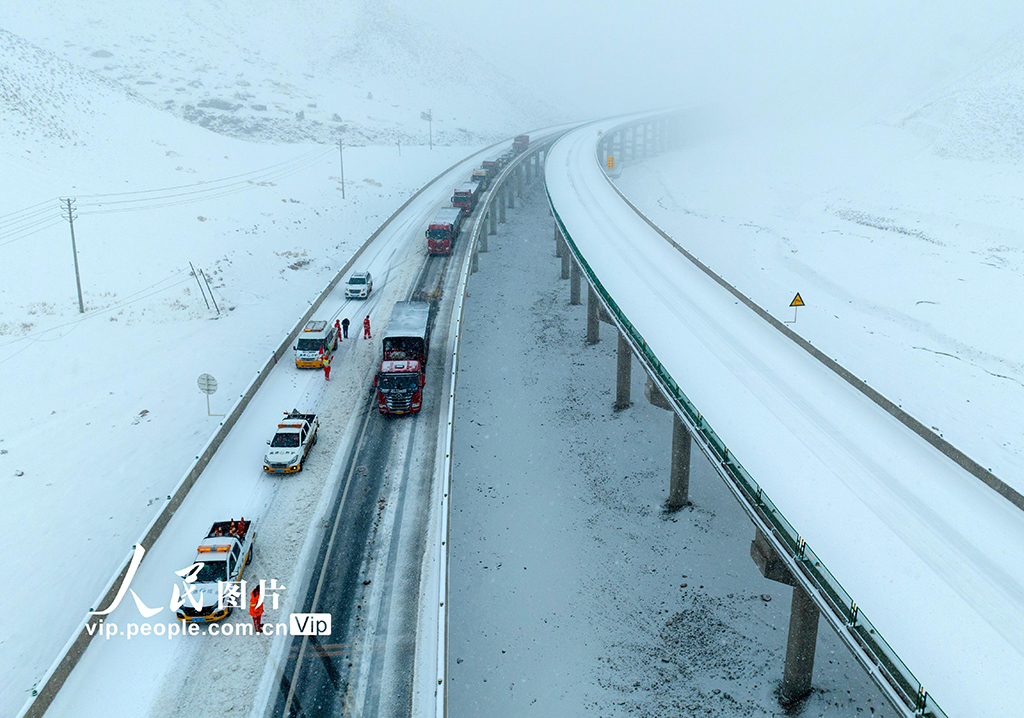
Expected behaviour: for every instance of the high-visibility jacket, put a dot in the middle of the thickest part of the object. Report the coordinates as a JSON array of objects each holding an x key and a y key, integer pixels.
[{"x": 255, "y": 610}]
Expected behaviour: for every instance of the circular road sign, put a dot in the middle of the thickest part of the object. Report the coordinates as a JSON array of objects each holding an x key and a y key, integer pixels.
[{"x": 207, "y": 384}]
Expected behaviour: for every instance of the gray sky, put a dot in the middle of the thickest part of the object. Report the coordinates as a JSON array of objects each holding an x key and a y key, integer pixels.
[{"x": 831, "y": 57}]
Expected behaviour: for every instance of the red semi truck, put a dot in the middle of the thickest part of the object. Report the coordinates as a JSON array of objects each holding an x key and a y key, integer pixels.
[
  {"x": 520, "y": 143},
  {"x": 443, "y": 230},
  {"x": 466, "y": 196},
  {"x": 402, "y": 372}
]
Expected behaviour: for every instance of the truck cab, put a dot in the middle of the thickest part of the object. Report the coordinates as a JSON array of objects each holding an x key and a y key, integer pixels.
[
  {"x": 317, "y": 335},
  {"x": 465, "y": 197},
  {"x": 224, "y": 553},
  {"x": 400, "y": 386},
  {"x": 443, "y": 230}
]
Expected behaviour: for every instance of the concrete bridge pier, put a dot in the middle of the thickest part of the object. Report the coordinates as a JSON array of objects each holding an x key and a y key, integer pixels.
[
  {"x": 679, "y": 476},
  {"x": 593, "y": 317},
  {"x": 623, "y": 373},
  {"x": 510, "y": 194},
  {"x": 482, "y": 245},
  {"x": 566, "y": 257},
  {"x": 803, "y": 623},
  {"x": 520, "y": 171},
  {"x": 474, "y": 265},
  {"x": 679, "y": 473},
  {"x": 574, "y": 285},
  {"x": 558, "y": 241},
  {"x": 492, "y": 220},
  {"x": 501, "y": 201}
]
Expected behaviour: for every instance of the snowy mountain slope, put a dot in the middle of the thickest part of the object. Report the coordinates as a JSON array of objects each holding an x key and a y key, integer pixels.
[
  {"x": 44, "y": 96},
  {"x": 979, "y": 116},
  {"x": 294, "y": 71}
]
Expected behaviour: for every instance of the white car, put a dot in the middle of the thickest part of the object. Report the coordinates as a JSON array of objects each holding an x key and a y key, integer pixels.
[{"x": 359, "y": 286}]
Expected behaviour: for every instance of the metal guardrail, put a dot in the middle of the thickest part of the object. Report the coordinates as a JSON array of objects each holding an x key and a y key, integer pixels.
[{"x": 890, "y": 667}]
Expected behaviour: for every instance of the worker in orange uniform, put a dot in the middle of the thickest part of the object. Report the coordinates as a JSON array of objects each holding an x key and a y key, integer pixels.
[
  {"x": 327, "y": 367},
  {"x": 256, "y": 609},
  {"x": 337, "y": 327},
  {"x": 366, "y": 328}
]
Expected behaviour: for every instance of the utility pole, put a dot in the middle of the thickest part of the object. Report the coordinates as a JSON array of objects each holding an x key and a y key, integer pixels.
[
  {"x": 68, "y": 205},
  {"x": 341, "y": 152},
  {"x": 200, "y": 285}
]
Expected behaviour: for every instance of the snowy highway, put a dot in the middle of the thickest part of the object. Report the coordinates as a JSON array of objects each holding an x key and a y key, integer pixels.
[
  {"x": 929, "y": 553},
  {"x": 160, "y": 676},
  {"x": 346, "y": 536}
]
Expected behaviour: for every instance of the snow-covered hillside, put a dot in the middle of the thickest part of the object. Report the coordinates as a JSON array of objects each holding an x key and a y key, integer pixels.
[
  {"x": 295, "y": 71},
  {"x": 980, "y": 115}
]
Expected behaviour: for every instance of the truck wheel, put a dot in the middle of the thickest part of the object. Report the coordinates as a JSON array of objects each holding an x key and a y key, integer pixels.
[{"x": 248, "y": 556}]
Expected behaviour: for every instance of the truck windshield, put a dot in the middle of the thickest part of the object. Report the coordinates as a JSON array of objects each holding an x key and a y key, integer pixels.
[
  {"x": 357, "y": 280},
  {"x": 285, "y": 440},
  {"x": 398, "y": 382},
  {"x": 437, "y": 234},
  {"x": 212, "y": 571},
  {"x": 309, "y": 345}
]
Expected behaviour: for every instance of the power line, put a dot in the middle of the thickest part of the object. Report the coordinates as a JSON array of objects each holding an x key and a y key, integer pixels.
[
  {"x": 300, "y": 158},
  {"x": 26, "y": 209},
  {"x": 54, "y": 221},
  {"x": 31, "y": 217},
  {"x": 173, "y": 200},
  {"x": 135, "y": 296}
]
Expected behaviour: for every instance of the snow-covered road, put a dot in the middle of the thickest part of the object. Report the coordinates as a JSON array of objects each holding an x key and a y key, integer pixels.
[{"x": 927, "y": 551}]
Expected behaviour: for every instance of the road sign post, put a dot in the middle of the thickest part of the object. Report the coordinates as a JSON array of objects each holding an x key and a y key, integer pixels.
[
  {"x": 208, "y": 385},
  {"x": 796, "y": 304}
]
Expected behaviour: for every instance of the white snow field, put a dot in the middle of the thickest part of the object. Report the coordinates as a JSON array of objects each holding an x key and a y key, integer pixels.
[
  {"x": 102, "y": 413},
  {"x": 927, "y": 551}
]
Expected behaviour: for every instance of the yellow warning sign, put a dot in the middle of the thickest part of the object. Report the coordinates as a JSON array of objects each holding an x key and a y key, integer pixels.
[
  {"x": 797, "y": 301},
  {"x": 611, "y": 162}
]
